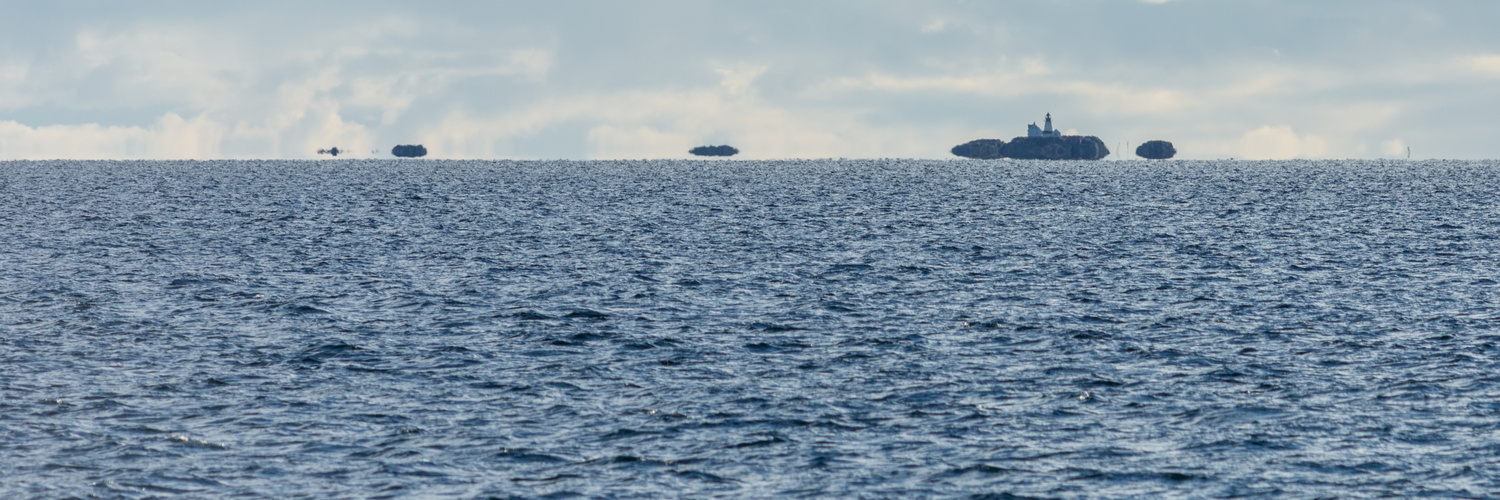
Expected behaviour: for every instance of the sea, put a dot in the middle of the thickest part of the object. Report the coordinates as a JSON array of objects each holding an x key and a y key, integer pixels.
[{"x": 877, "y": 328}]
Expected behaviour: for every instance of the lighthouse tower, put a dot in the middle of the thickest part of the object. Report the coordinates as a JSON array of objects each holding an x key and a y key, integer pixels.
[{"x": 1033, "y": 131}]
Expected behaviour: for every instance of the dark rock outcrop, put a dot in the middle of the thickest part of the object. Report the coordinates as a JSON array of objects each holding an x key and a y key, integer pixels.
[
  {"x": 329, "y": 152},
  {"x": 981, "y": 149},
  {"x": 1071, "y": 147},
  {"x": 714, "y": 151},
  {"x": 409, "y": 151},
  {"x": 1156, "y": 150}
]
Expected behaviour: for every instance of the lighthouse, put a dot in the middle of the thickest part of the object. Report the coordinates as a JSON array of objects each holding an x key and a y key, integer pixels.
[{"x": 1033, "y": 131}]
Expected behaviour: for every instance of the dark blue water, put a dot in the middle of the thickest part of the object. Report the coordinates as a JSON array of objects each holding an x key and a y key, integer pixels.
[{"x": 749, "y": 329}]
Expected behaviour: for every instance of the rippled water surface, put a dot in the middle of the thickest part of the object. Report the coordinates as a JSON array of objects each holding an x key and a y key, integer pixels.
[{"x": 749, "y": 329}]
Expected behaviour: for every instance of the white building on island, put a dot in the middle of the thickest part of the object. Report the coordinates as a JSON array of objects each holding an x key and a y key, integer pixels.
[{"x": 1032, "y": 131}]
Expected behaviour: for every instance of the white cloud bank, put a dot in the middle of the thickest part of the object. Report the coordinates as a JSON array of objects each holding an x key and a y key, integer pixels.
[
  {"x": 170, "y": 137},
  {"x": 1279, "y": 143},
  {"x": 1270, "y": 79}
]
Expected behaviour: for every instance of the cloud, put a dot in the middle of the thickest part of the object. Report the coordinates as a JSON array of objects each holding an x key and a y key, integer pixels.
[
  {"x": 1393, "y": 147},
  {"x": 1278, "y": 143},
  {"x": 1487, "y": 65},
  {"x": 612, "y": 141},
  {"x": 256, "y": 99},
  {"x": 665, "y": 124},
  {"x": 841, "y": 78},
  {"x": 170, "y": 137}
]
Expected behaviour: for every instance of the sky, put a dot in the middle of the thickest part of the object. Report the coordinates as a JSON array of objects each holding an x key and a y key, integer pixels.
[{"x": 622, "y": 79}]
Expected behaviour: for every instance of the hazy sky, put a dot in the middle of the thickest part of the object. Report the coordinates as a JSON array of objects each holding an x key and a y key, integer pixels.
[{"x": 807, "y": 78}]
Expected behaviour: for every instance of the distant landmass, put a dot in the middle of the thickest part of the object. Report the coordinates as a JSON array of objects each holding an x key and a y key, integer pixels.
[
  {"x": 981, "y": 149},
  {"x": 409, "y": 151},
  {"x": 714, "y": 151},
  {"x": 1156, "y": 150},
  {"x": 1039, "y": 144},
  {"x": 1068, "y": 147},
  {"x": 330, "y": 151}
]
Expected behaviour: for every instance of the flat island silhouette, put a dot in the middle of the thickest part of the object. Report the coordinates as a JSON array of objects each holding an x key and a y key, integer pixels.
[
  {"x": 723, "y": 150},
  {"x": 409, "y": 151}
]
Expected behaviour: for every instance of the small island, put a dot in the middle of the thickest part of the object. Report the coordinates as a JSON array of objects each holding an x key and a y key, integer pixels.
[
  {"x": 980, "y": 149},
  {"x": 1039, "y": 144},
  {"x": 1071, "y": 147},
  {"x": 1156, "y": 150},
  {"x": 409, "y": 151},
  {"x": 724, "y": 150}
]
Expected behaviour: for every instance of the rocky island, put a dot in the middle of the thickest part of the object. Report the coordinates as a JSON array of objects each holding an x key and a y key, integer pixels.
[
  {"x": 1068, "y": 147},
  {"x": 1156, "y": 150},
  {"x": 1039, "y": 144},
  {"x": 724, "y": 150},
  {"x": 981, "y": 149},
  {"x": 409, "y": 151}
]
